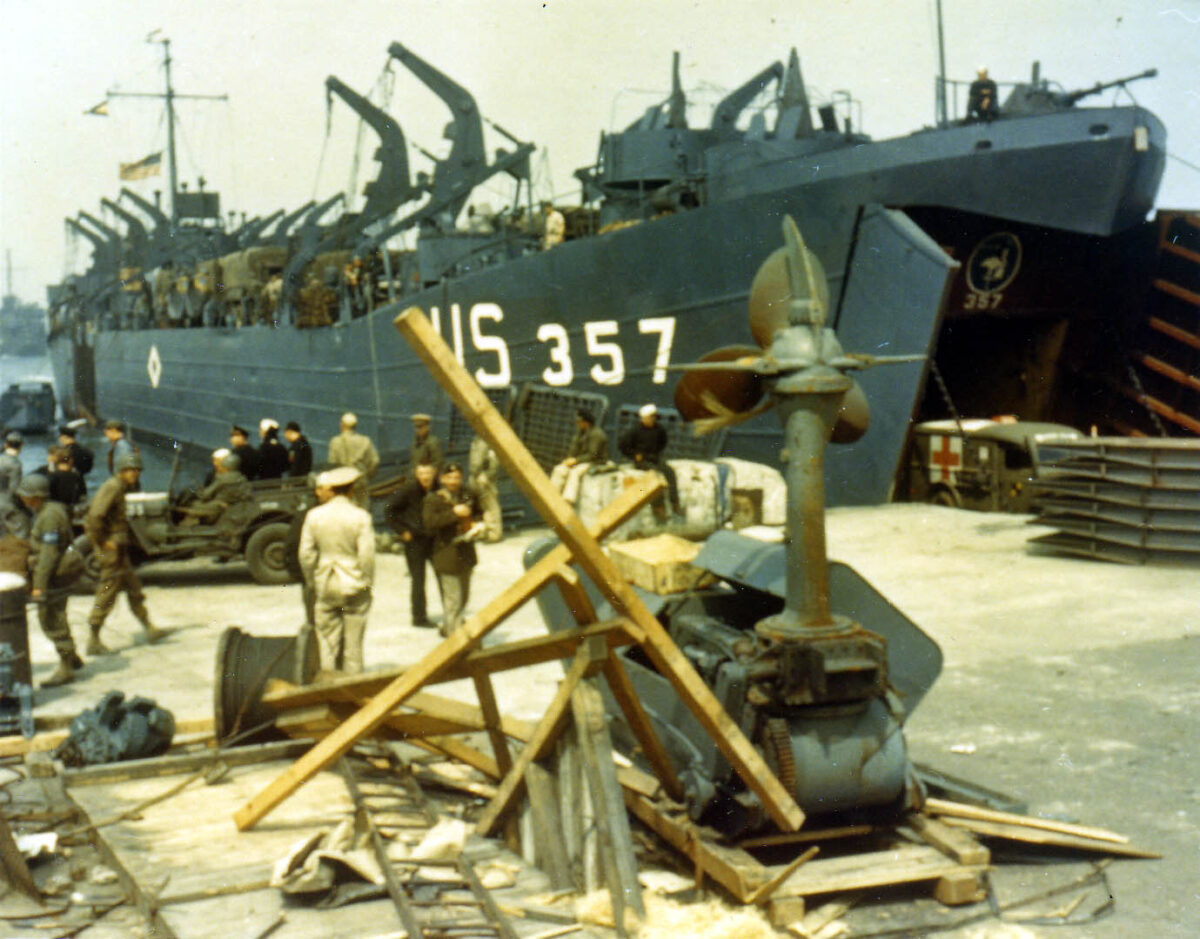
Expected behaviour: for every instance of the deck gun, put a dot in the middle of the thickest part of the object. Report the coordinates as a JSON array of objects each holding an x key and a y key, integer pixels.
[{"x": 1070, "y": 98}]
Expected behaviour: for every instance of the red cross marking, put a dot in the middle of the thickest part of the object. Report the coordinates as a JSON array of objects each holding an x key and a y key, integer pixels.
[{"x": 945, "y": 453}]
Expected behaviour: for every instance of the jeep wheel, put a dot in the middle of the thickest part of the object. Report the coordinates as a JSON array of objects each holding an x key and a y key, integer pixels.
[
  {"x": 266, "y": 554},
  {"x": 91, "y": 565}
]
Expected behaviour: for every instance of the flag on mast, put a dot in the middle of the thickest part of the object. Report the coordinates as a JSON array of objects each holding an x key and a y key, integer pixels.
[
  {"x": 100, "y": 110},
  {"x": 147, "y": 166}
]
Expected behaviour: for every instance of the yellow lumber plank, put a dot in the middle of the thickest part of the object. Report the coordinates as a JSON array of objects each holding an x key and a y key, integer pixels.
[{"x": 963, "y": 810}]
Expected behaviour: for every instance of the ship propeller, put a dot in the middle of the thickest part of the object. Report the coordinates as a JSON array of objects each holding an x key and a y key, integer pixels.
[{"x": 727, "y": 385}]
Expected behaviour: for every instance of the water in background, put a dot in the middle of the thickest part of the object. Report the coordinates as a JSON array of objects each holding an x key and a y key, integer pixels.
[{"x": 157, "y": 460}]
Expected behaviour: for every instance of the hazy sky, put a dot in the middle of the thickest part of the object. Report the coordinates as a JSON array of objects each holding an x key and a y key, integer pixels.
[{"x": 555, "y": 73}]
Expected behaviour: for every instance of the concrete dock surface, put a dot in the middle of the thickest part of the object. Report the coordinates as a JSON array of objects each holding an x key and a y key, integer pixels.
[{"x": 1069, "y": 684}]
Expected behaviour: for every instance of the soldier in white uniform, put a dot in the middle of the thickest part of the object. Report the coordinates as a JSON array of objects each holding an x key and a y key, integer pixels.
[{"x": 337, "y": 556}]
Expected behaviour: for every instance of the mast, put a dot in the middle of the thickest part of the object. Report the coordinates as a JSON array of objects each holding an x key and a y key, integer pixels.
[
  {"x": 168, "y": 95},
  {"x": 172, "y": 168},
  {"x": 942, "y": 117}
]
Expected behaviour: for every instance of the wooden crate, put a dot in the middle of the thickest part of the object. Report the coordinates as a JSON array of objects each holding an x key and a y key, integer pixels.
[{"x": 662, "y": 564}]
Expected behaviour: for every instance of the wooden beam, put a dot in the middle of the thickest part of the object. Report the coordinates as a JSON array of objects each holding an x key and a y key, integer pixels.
[
  {"x": 953, "y": 842},
  {"x": 612, "y": 821},
  {"x": 583, "y": 547},
  {"x": 463, "y": 752},
  {"x": 452, "y": 649},
  {"x": 547, "y": 732},
  {"x": 734, "y": 869},
  {"x": 48, "y": 740},
  {"x": 630, "y": 777},
  {"x": 560, "y": 644},
  {"x": 491, "y": 720},
  {"x": 576, "y": 598},
  {"x": 1029, "y": 835},
  {"x": 322, "y": 719},
  {"x": 639, "y": 722},
  {"x": 964, "y": 810}
]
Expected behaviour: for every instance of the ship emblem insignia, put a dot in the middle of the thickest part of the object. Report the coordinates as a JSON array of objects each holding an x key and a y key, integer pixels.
[
  {"x": 994, "y": 262},
  {"x": 154, "y": 367}
]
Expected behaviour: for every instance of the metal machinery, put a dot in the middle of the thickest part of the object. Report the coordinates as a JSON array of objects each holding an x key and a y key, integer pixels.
[{"x": 814, "y": 665}]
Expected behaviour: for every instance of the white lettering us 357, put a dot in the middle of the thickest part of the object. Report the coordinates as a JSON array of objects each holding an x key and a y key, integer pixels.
[{"x": 602, "y": 357}]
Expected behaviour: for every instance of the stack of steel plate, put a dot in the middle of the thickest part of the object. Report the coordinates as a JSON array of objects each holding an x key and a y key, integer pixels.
[{"x": 1135, "y": 500}]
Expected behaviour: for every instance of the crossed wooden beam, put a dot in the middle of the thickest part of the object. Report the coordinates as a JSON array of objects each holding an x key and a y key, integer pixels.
[{"x": 591, "y": 645}]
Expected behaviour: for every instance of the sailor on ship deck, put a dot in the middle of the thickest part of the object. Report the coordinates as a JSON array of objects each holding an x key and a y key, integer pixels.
[{"x": 981, "y": 98}]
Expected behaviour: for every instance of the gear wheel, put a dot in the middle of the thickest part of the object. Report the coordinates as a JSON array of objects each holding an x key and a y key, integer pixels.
[{"x": 777, "y": 748}]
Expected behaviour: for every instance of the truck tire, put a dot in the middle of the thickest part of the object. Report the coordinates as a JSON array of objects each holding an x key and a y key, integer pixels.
[
  {"x": 266, "y": 554},
  {"x": 91, "y": 565},
  {"x": 945, "y": 496}
]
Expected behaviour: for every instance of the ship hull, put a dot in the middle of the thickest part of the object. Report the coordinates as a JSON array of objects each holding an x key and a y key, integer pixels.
[{"x": 608, "y": 313}]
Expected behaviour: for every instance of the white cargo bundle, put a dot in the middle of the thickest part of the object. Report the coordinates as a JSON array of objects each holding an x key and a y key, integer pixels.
[{"x": 706, "y": 491}]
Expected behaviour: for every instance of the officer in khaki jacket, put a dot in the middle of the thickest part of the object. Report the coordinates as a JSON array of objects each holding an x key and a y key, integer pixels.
[
  {"x": 54, "y": 567},
  {"x": 350, "y": 448},
  {"x": 337, "y": 556},
  {"x": 451, "y": 514}
]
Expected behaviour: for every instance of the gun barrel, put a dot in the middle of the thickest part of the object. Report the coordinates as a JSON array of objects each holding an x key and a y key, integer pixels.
[{"x": 1074, "y": 96}]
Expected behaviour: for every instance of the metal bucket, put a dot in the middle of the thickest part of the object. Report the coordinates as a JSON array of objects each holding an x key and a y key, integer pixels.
[
  {"x": 14, "y": 628},
  {"x": 245, "y": 664}
]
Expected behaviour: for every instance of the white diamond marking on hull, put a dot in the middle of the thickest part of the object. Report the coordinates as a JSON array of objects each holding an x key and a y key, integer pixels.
[{"x": 154, "y": 367}]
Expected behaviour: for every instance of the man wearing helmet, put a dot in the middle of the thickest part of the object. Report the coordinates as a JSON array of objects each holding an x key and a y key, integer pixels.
[
  {"x": 54, "y": 566},
  {"x": 108, "y": 531}
]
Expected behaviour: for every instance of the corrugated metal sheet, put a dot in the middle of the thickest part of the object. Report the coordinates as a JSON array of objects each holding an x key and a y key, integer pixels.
[{"x": 1128, "y": 500}]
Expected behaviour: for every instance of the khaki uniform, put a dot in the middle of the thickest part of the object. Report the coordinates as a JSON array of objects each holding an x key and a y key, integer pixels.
[
  {"x": 227, "y": 489},
  {"x": 588, "y": 448},
  {"x": 453, "y": 560},
  {"x": 484, "y": 468},
  {"x": 428, "y": 450},
  {"x": 54, "y": 566},
  {"x": 350, "y": 448},
  {"x": 337, "y": 555},
  {"x": 556, "y": 227},
  {"x": 105, "y": 522}
]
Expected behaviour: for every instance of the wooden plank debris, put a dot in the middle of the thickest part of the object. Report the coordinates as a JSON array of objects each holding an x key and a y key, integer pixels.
[
  {"x": 550, "y": 851},
  {"x": 906, "y": 863},
  {"x": 612, "y": 821},
  {"x": 1030, "y": 835},
  {"x": 963, "y": 810},
  {"x": 171, "y": 763},
  {"x": 955, "y": 842},
  {"x": 960, "y": 887},
  {"x": 355, "y": 689},
  {"x": 547, "y": 732},
  {"x": 48, "y": 740},
  {"x": 734, "y": 869}
]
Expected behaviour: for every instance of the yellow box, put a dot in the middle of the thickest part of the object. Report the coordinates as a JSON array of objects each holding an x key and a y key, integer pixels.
[{"x": 662, "y": 564}]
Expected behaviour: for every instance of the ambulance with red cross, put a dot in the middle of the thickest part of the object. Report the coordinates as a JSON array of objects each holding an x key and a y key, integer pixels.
[{"x": 977, "y": 463}]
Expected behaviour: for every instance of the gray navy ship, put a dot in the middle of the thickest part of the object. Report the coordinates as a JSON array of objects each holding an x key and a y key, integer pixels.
[{"x": 1010, "y": 248}]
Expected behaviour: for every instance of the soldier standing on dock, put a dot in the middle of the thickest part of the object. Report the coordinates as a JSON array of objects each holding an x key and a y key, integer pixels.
[
  {"x": 54, "y": 567},
  {"x": 350, "y": 448},
  {"x": 108, "y": 531},
  {"x": 119, "y": 444},
  {"x": 10, "y": 462},
  {"x": 449, "y": 513},
  {"x": 337, "y": 555},
  {"x": 426, "y": 448}
]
